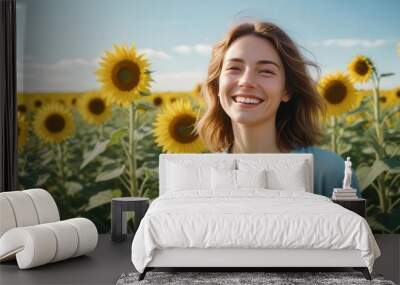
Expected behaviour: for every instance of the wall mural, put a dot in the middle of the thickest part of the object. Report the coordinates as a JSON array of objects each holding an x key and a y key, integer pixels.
[{"x": 88, "y": 146}]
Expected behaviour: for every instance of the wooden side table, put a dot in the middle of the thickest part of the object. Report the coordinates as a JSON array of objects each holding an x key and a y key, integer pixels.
[
  {"x": 119, "y": 207},
  {"x": 356, "y": 205}
]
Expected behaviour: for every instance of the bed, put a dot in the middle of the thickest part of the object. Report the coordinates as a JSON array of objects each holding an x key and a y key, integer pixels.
[{"x": 247, "y": 210}]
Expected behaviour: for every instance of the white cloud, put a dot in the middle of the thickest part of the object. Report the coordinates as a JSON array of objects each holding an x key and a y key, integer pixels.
[
  {"x": 203, "y": 49},
  {"x": 71, "y": 64},
  {"x": 155, "y": 54},
  {"x": 64, "y": 75},
  {"x": 188, "y": 49},
  {"x": 182, "y": 49},
  {"x": 78, "y": 75},
  {"x": 351, "y": 42},
  {"x": 63, "y": 64}
]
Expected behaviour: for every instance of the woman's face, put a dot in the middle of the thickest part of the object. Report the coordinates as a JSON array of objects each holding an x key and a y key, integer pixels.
[{"x": 252, "y": 81}]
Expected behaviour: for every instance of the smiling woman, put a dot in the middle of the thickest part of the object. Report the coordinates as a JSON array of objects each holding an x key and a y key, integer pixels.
[
  {"x": 259, "y": 94},
  {"x": 261, "y": 99}
]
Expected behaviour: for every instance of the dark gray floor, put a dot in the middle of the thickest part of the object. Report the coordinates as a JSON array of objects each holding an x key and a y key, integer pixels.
[
  {"x": 111, "y": 259},
  {"x": 102, "y": 266}
]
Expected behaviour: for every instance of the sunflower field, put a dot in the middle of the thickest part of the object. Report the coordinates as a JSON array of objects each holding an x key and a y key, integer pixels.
[
  {"x": 87, "y": 147},
  {"x": 364, "y": 124}
]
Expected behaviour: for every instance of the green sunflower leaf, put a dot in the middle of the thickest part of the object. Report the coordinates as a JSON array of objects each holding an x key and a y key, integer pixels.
[
  {"x": 98, "y": 149},
  {"x": 102, "y": 198},
  {"x": 108, "y": 175}
]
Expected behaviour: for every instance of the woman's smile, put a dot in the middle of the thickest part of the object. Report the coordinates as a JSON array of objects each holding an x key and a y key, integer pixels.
[{"x": 246, "y": 102}]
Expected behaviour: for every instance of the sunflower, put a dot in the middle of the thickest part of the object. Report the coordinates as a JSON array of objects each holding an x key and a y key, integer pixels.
[
  {"x": 338, "y": 93},
  {"x": 22, "y": 103},
  {"x": 123, "y": 75},
  {"x": 172, "y": 98},
  {"x": 73, "y": 100},
  {"x": 174, "y": 129},
  {"x": 94, "y": 108},
  {"x": 157, "y": 99},
  {"x": 22, "y": 107},
  {"x": 360, "y": 69},
  {"x": 394, "y": 96},
  {"x": 54, "y": 123},
  {"x": 384, "y": 99},
  {"x": 61, "y": 102},
  {"x": 37, "y": 101},
  {"x": 22, "y": 131}
]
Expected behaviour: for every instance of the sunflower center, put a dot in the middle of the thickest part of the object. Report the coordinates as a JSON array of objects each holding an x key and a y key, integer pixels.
[
  {"x": 181, "y": 128},
  {"x": 55, "y": 123},
  {"x": 336, "y": 92},
  {"x": 73, "y": 101},
  {"x": 398, "y": 94},
  {"x": 383, "y": 99},
  {"x": 361, "y": 67},
  {"x": 38, "y": 103},
  {"x": 157, "y": 101},
  {"x": 97, "y": 106},
  {"x": 126, "y": 75}
]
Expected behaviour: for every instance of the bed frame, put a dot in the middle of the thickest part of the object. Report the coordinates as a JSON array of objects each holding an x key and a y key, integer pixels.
[
  {"x": 246, "y": 259},
  {"x": 242, "y": 259}
]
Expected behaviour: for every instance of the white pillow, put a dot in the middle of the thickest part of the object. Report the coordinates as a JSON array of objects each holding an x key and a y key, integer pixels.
[
  {"x": 223, "y": 179},
  {"x": 181, "y": 177},
  {"x": 294, "y": 179},
  {"x": 228, "y": 179},
  {"x": 251, "y": 178},
  {"x": 185, "y": 175},
  {"x": 282, "y": 175}
]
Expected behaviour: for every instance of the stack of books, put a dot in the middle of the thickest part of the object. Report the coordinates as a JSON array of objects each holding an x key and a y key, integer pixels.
[{"x": 344, "y": 194}]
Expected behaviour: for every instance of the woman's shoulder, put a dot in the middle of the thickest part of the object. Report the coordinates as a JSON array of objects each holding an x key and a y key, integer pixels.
[{"x": 322, "y": 157}]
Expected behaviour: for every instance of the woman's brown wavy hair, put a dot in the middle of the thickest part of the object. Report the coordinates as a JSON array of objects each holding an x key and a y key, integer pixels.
[{"x": 297, "y": 121}]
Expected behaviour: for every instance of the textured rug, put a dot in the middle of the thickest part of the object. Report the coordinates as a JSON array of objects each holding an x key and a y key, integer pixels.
[{"x": 230, "y": 278}]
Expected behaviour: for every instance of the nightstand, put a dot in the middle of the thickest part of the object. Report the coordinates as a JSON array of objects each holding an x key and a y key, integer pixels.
[
  {"x": 356, "y": 205},
  {"x": 121, "y": 205}
]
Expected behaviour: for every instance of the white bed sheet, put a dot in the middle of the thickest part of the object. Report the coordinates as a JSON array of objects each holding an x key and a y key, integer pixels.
[{"x": 250, "y": 218}]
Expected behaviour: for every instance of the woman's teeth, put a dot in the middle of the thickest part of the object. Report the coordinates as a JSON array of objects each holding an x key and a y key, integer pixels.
[{"x": 246, "y": 100}]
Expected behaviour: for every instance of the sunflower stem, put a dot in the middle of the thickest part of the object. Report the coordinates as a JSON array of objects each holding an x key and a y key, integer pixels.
[
  {"x": 102, "y": 132},
  {"x": 383, "y": 194},
  {"x": 126, "y": 185},
  {"x": 132, "y": 148},
  {"x": 124, "y": 148},
  {"x": 379, "y": 153},
  {"x": 333, "y": 135},
  {"x": 377, "y": 115},
  {"x": 141, "y": 190},
  {"x": 61, "y": 164}
]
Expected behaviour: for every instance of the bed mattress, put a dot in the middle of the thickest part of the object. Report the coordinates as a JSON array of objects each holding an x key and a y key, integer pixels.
[{"x": 250, "y": 219}]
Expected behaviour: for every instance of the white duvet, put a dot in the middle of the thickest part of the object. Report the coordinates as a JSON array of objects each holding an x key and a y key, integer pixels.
[{"x": 252, "y": 218}]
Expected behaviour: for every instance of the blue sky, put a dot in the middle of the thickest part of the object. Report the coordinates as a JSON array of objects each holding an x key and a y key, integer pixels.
[{"x": 59, "y": 42}]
